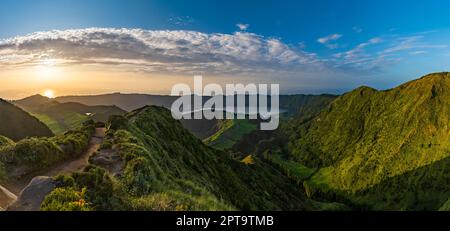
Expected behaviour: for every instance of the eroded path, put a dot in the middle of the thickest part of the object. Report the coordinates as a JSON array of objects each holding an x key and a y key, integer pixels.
[{"x": 9, "y": 190}]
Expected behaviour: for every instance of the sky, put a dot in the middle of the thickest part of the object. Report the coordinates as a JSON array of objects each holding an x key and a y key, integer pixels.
[{"x": 312, "y": 47}]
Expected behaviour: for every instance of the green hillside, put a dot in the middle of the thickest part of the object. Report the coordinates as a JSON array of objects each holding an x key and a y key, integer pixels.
[
  {"x": 244, "y": 135},
  {"x": 367, "y": 139},
  {"x": 164, "y": 167},
  {"x": 229, "y": 132},
  {"x": 62, "y": 117},
  {"x": 33, "y": 154},
  {"x": 17, "y": 124}
]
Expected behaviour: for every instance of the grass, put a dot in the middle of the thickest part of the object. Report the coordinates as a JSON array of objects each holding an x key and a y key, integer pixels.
[
  {"x": 230, "y": 132},
  {"x": 291, "y": 168},
  {"x": 167, "y": 168},
  {"x": 36, "y": 153},
  {"x": 375, "y": 149},
  {"x": 62, "y": 122}
]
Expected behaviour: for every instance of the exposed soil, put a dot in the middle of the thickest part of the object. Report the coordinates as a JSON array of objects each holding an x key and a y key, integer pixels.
[{"x": 9, "y": 190}]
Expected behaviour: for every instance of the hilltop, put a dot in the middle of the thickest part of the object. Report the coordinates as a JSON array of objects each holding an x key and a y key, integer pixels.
[
  {"x": 61, "y": 117},
  {"x": 17, "y": 124},
  {"x": 368, "y": 138}
]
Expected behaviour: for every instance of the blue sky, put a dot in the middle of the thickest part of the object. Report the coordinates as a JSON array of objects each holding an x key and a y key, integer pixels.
[{"x": 378, "y": 43}]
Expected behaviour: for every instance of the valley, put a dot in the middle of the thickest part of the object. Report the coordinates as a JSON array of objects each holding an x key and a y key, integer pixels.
[{"x": 363, "y": 150}]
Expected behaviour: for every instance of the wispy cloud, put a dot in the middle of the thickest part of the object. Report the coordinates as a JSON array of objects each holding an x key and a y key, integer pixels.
[
  {"x": 418, "y": 52},
  {"x": 357, "y": 29},
  {"x": 181, "y": 21},
  {"x": 190, "y": 52},
  {"x": 409, "y": 43},
  {"x": 358, "y": 57},
  {"x": 381, "y": 52},
  {"x": 242, "y": 26},
  {"x": 330, "y": 40},
  {"x": 159, "y": 51}
]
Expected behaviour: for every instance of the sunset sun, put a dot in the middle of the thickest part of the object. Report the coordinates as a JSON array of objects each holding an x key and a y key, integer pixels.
[
  {"x": 49, "y": 93},
  {"x": 284, "y": 113}
]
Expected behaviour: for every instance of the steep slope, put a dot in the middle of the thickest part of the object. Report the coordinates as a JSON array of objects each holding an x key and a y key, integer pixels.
[
  {"x": 367, "y": 137},
  {"x": 230, "y": 132},
  {"x": 17, "y": 124},
  {"x": 245, "y": 137},
  {"x": 61, "y": 117},
  {"x": 305, "y": 105},
  {"x": 34, "y": 154},
  {"x": 167, "y": 168}
]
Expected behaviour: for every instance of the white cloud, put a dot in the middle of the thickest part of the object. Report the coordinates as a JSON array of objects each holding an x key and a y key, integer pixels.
[
  {"x": 190, "y": 52},
  {"x": 162, "y": 51},
  {"x": 242, "y": 26},
  {"x": 330, "y": 40}
]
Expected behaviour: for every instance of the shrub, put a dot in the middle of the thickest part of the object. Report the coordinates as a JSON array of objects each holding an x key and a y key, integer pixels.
[
  {"x": 117, "y": 122},
  {"x": 138, "y": 176},
  {"x": 99, "y": 186},
  {"x": 64, "y": 181},
  {"x": 66, "y": 199}
]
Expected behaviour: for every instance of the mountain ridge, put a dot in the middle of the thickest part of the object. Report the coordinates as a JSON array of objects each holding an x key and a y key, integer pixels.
[
  {"x": 366, "y": 136},
  {"x": 18, "y": 124}
]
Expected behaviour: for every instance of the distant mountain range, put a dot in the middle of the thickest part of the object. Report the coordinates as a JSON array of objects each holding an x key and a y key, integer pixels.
[
  {"x": 126, "y": 102},
  {"x": 61, "y": 117},
  {"x": 363, "y": 150},
  {"x": 290, "y": 104}
]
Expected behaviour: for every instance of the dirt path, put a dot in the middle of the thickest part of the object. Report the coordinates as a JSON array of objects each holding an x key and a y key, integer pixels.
[{"x": 12, "y": 189}]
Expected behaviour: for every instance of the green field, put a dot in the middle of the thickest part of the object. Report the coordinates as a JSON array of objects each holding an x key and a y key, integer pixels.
[{"x": 62, "y": 122}]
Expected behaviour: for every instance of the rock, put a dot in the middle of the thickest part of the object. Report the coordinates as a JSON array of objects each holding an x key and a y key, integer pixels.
[
  {"x": 32, "y": 196},
  {"x": 101, "y": 161},
  {"x": 108, "y": 159}
]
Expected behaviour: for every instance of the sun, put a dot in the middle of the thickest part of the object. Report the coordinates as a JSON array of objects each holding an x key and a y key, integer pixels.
[{"x": 49, "y": 93}]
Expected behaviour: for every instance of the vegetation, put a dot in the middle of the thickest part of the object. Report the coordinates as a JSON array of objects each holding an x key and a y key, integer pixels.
[
  {"x": 65, "y": 199},
  {"x": 380, "y": 149},
  {"x": 18, "y": 124},
  {"x": 167, "y": 168},
  {"x": 230, "y": 132},
  {"x": 62, "y": 122},
  {"x": 62, "y": 117},
  {"x": 32, "y": 154}
]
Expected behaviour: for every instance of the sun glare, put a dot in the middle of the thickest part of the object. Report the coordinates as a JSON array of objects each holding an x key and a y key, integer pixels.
[
  {"x": 49, "y": 93},
  {"x": 45, "y": 72}
]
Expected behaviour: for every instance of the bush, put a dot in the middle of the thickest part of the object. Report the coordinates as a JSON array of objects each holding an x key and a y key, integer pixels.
[
  {"x": 138, "y": 177},
  {"x": 65, "y": 199},
  {"x": 117, "y": 122},
  {"x": 64, "y": 181},
  {"x": 99, "y": 185},
  {"x": 38, "y": 153}
]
